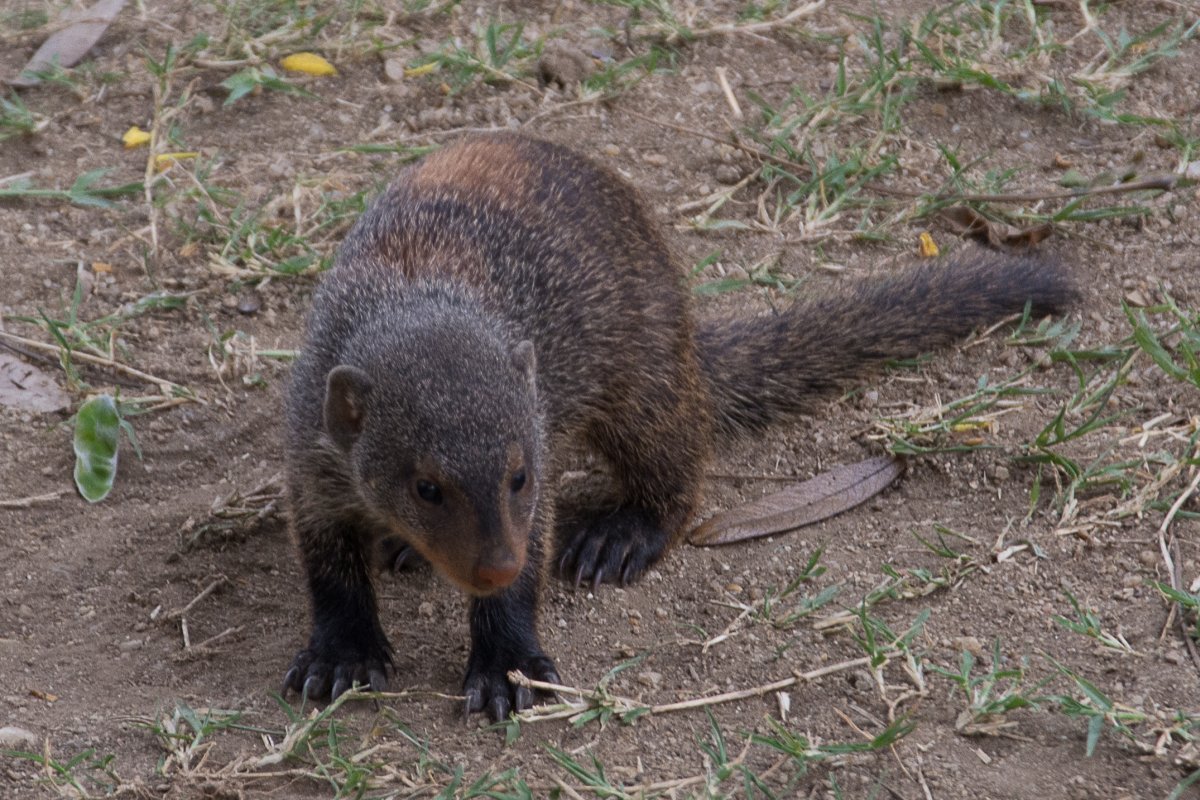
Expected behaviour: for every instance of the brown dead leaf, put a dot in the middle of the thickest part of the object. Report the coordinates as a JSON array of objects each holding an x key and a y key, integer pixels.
[
  {"x": 829, "y": 493},
  {"x": 78, "y": 32},
  {"x": 28, "y": 388},
  {"x": 966, "y": 221}
]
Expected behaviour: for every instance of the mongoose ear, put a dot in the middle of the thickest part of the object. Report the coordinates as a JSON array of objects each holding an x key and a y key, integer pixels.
[
  {"x": 525, "y": 361},
  {"x": 345, "y": 390}
]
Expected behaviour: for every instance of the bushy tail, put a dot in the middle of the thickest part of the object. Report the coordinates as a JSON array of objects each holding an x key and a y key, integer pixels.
[{"x": 763, "y": 369}]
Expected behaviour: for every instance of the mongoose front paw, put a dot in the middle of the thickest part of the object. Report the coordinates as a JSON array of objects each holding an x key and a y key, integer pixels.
[
  {"x": 616, "y": 548},
  {"x": 487, "y": 686},
  {"x": 324, "y": 669}
]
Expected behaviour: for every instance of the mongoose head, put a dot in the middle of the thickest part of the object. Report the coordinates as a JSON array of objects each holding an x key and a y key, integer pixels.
[{"x": 442, "y": 431}]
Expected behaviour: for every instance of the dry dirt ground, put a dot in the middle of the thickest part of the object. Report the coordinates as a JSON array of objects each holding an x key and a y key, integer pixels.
[{"x": 118, "y": 617}]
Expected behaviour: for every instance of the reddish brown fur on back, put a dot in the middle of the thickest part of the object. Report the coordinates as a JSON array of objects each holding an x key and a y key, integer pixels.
[{"x": 485, "y": 171}]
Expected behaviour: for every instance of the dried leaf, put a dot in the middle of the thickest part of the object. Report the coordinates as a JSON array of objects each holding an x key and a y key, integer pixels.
[
  {"x": 164, "y": 160},
  {"x": 829, "y": 493},
  {"x": 966, "y": 221},
  {"x": 308, "y": 63},
  {"x": 28, "y": 388},
  {"x": 78, "y": 33},
  {"x": 927, "y": 246},
  {"x": 424, "y": 69},
  {"x": 135, "y": 137}
]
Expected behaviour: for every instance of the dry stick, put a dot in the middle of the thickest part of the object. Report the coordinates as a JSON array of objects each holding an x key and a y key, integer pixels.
[
  {"x": 215, "y": 637},
  {"x": 1172, "y": 564},
  {"x": 43, "y": 359},
  {"x": 567, "y": 790},
  {"x": 759, "y": 27},
  {"x": 207, "y": 591},
  {"x": 161, "y": 383},
  {"x": 734, "y": 107},
  {"x": 1183, "y": 628},
  {"x": 26, "y": 502},
  {"x": 1165, "y": 182},
  {"x": 517, "y": 677}
]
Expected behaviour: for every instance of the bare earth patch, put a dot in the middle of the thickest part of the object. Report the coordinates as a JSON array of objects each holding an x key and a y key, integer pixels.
[{"x": 992, "y": 627}]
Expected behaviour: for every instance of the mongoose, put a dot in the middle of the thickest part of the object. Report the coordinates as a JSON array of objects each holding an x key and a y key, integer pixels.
[{"x": 506, "y": 297}]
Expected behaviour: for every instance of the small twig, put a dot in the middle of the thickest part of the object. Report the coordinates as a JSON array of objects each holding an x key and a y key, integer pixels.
[
  {"x": 519, "y": 678},
  {"x": 20, "y": 176},
  {"x": 759, "y": 27},
  {"x": 1183, "y": 627},
  {"x": 220, "y": 635},
  {"x": 567, "y": 790},
  {"x": 178, "y": 614},
  {"x": 161, "y": 383},
  {"x": 1170, "y": 554},
  {"x": 734, "y": 107},
  {"x": 26, "y": 502}
]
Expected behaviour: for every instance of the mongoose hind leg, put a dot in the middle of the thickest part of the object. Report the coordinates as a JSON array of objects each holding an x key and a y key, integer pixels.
[
  {"x": 614, "y": 545},
  {"x": 658, "y": 461}
]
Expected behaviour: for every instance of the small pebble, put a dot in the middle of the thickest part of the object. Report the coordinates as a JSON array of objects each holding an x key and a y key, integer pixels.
[
  {"x": 969, "y": 643},
  {"x": 249, "y": 303},
  {"x": 14, "y": 738},
  {"x": 650, "y": 679},
  {"x": 393, "y": 69},
  {"x": 728, "y": 174}
]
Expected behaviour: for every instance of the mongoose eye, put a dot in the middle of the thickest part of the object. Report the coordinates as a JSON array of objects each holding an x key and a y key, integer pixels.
[
  {"x": 429, "y": 492},
  {"x": 518, "y": 481}
]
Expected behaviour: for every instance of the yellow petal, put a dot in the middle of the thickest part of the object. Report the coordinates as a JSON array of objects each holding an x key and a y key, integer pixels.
[
  {"x": 164, "y": 160},
  {"x": 928, "y": 246},
  {"x": 308, "y": 63},
  {"x": 424, "y": 69},
  {"x": 135, "y": 137}
]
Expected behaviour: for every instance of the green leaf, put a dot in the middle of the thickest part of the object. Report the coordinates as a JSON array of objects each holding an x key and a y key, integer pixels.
[
  {"x": 97, "y": 434},
  {"x": 1095, "y": 725}
]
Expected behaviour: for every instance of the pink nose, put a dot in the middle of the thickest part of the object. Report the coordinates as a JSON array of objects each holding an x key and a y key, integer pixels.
[{"x": 497, "y": 575}]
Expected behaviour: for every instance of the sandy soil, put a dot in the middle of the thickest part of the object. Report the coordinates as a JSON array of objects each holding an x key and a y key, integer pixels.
[{"x": 100, "y": 627}]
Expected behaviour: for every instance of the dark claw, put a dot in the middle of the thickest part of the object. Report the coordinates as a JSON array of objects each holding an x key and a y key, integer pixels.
[
  {"x": 290, "y": 681},
  {"x": 487, "y": 686},
  {"x": 403, "y": 558},
  {"x": 340, "y": 687},
  {"x": 326, "y": 664},
  {"x": 474, "y": 702},
  {"x": 498, "y": 711},
  {"x": 316, "y": 685},
  {"x": 615, "y": 547}
]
